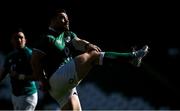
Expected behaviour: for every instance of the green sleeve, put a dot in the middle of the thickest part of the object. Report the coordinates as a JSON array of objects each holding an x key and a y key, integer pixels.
[{"x": 73, "y": 35}]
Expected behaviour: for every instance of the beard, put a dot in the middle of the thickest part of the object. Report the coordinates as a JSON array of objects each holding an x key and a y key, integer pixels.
[{"x": 66, "y": 28}]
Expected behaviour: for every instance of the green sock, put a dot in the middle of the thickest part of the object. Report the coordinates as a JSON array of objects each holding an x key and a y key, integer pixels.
[{"x": 116, "y": 57}]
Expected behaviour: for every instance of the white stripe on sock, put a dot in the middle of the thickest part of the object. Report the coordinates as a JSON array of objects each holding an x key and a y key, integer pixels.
[{"x": 101, "y": 58}]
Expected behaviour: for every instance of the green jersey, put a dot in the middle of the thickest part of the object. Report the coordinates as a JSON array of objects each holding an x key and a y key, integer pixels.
[
  {"x": 58, "y": 49},
  {"x": 19, "y": 61}
]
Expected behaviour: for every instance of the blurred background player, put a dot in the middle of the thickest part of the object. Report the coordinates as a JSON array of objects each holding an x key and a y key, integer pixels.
[{"x": 17, "y": 64}]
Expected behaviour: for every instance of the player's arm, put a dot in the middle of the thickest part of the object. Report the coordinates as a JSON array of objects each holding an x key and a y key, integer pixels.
[
  {"x": 36, "y": 63},
  {"x": 22, "y": 76},
  {"x": 84, "y": 45},
  {"x": 3, "y": 73}
]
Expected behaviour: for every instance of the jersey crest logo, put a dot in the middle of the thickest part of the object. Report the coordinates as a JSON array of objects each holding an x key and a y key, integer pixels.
[{"x": 67, "y": 39}]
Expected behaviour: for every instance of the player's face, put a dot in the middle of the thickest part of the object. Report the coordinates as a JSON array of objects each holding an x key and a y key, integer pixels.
[
  {"x": 18, "y": 40},
  {"x": 62, "y": 21}
]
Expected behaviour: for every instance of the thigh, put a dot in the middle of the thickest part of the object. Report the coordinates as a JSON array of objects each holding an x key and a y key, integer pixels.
[
  {"x": 63, "y": 81},
  {"x": 85, "y": 62}
]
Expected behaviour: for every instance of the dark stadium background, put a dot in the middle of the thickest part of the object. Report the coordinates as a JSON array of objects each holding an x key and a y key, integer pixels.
[{"x": 115, "y": 26}]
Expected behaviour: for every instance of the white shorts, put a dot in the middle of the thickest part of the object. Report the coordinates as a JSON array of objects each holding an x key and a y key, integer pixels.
[
  {"x": 63, "y": 83},
  {"x": 25, "y": 102}
]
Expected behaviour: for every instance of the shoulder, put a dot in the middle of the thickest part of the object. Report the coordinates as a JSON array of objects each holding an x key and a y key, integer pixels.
[
  {"x": 50, "y": 37},
  {"x": 73, "y": 34},
  {"x": 70, "y": 34},
  {"x": 28, "y": 50}
]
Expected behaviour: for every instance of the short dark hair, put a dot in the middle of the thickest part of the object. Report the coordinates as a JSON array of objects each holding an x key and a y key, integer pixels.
[
  {"x": 16, "y": 28},
  {"x": 19, "y": 29},
  {"x": 60, "y": 10},
  {"x": 54, "y": 13}
]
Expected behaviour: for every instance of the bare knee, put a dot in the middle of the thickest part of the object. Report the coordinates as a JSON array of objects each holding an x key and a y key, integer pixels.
[
  {"x": 72, "y": 104},
  {"x": 90, "y": 57},
  {"x": 85, "y": 62},
  {"x": 94, "y": 57}
]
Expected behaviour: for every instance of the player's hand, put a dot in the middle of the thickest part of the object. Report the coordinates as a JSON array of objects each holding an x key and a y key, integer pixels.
[
  {"x": 90, "y": 47},
  {"x": 14, "y": 74}
]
